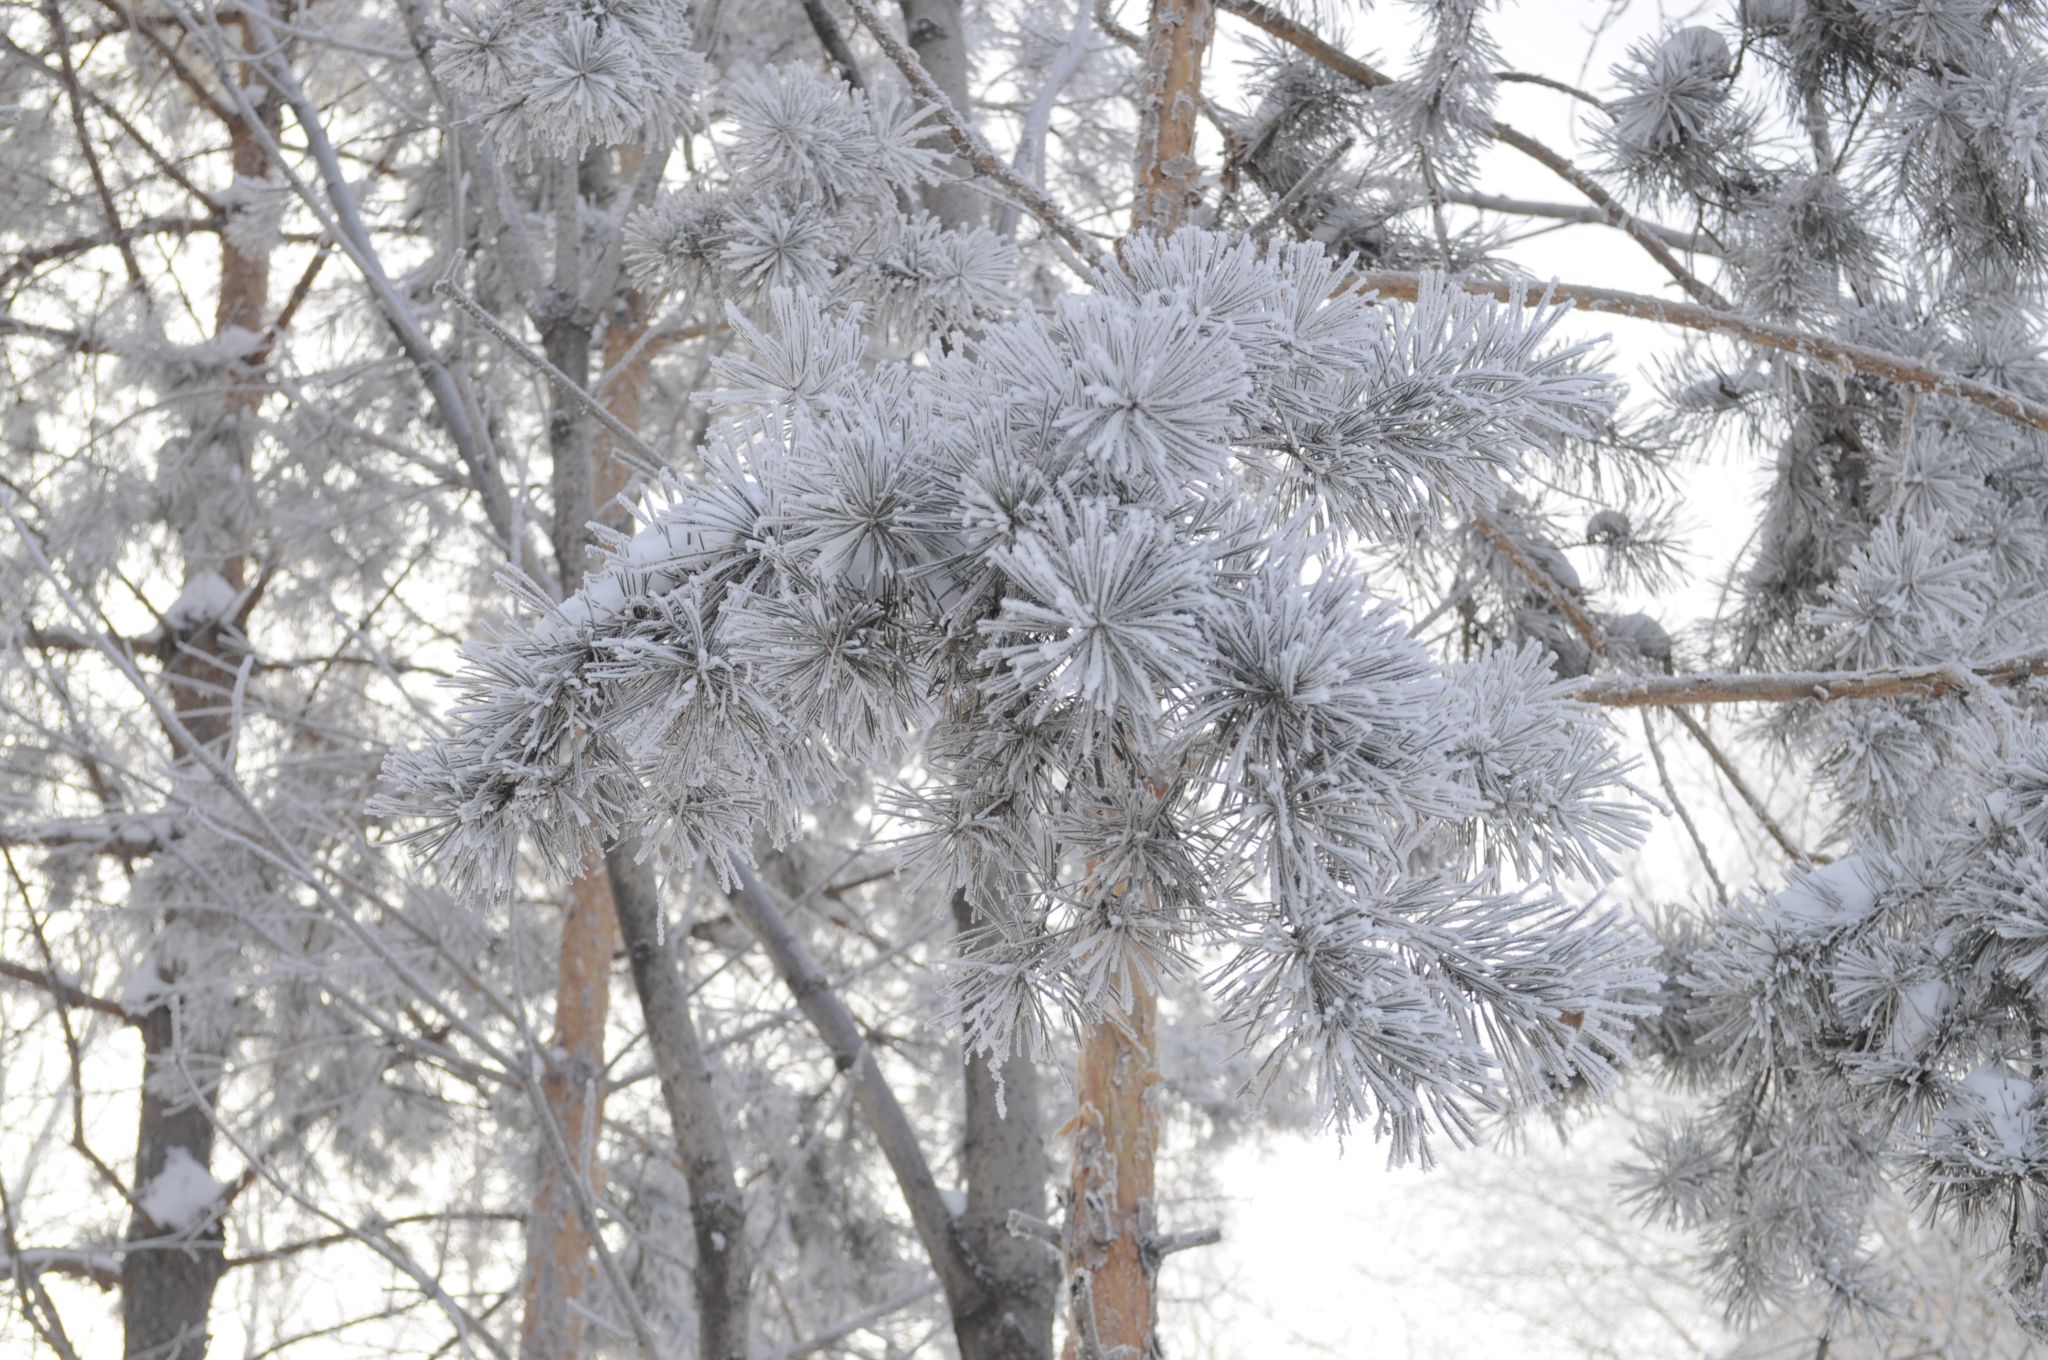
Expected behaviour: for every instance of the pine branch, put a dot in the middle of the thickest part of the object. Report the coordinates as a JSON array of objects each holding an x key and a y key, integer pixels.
[
  {"x": 1310, "y": 44},
  {"x": 1791, "y": 687},
  {"x": 1843, "y": 356}
]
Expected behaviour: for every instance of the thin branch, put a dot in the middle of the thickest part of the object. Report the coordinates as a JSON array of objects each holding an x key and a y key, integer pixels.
[
  {"x": 1576, "y": 212},
  {"x": 888, "y": 1307},
  {"x": 649, "y": 461},
  {"x": 971, "y": 144},
  {"x": 69, "y": 993},
  {"x": 348, "y": 226},
  {"x": 1310, "y": 44},
  {"x": 76, "y": 102},
  {"x": 1743, "y": 790},
  {"x": 959, "y": 1273},
  {"x": 1844, "y": 356},
  {"x": 834, "y": 42},
  {"x": 1283, "y": 205},
  {"x": 100, "y": 1267},
  {"x": 1692, "y": 831},
  {"x": 1791, "y": 687},
  {"x": 1550, "y": 83},
  {"x": 28, "y": 261}
]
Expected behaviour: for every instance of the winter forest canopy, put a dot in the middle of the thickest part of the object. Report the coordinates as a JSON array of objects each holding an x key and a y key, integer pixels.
[{"x": 777, "y": 678}]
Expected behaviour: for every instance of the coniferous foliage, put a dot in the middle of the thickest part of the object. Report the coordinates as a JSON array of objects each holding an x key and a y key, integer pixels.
[
  {"x": 1089, "y": 557},
  {"x": 1873, "y": 1023},
  {"x": 966, "y": 613}
]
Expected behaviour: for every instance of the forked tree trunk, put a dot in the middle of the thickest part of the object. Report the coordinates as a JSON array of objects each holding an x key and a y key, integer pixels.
[
  {"x": 169, "y": 1272},
  {"x": 1111, "y": 1257}
]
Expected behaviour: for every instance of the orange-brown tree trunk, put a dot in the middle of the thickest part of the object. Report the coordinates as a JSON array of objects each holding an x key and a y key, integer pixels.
[
  {"x": 558, "y": 1246},
  {"x": 1115, "y": 1143},
  {"x": 558, "y": 1265},
  {"x": 169, "y": 1276},
  {"x": 1111, "y": 1257}
]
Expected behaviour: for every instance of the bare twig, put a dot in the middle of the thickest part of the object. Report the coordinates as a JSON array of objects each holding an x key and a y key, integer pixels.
[
  {"x": 1791, "y": 687},
  {"x": 826, "y": 1340},
  {"x": 1314, "y": 174},
  {"x": 1742, "y": 789},
  {"x": 1185, "y": 1241},
  {"x": 1692, "y": 831},
  {"x": 972, "y": 146},
  {"x": 647, "y": 460}
]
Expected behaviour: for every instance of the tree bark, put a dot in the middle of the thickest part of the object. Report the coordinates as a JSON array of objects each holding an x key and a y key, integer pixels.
[
  {"x": 168, "y": 1276},
  {"x": 558, "y": 1267},
  {"x": 1003, "y": 1157},
  {"x": 937, "y": 33},
  {"x": 1111, "y": 1260},
  {"x": 717, "y": 1208},
  {"x": 1169, "y": 105},
  {"x": 558, "y": 1246}
]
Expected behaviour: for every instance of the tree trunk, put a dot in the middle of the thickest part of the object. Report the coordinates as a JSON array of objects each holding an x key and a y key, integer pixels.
[
  {"x": 558, "y": 1247},
  {"x": 167, "y": 1286},
  {"x": 613, "y": 900},
  {"x": 1115, "y": 1139},
  {"x": 718, "y": 1214},
  {"x": 170, "y": 1272},
  {"x": 1169, "y": 99},
  {"x": 1003, "y": 1133},
  {"x": 1003, "y": 1157},
  {"x": 1111, "y": 1260},
  {"x": 937, "y": 33}
]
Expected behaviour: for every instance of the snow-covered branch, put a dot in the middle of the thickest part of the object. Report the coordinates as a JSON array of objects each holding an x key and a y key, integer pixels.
[{"x": 1791, "y": 687}]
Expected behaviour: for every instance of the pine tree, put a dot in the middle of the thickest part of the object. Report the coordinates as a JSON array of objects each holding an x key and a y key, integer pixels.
[{"x": 1028, "y": 546}]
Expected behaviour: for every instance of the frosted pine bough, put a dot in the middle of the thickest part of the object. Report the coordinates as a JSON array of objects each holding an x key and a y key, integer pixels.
[
  {"x": 1875, "y": 1022},
  {"x": 1085, "y": 581}
]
